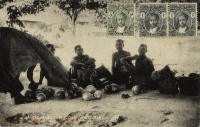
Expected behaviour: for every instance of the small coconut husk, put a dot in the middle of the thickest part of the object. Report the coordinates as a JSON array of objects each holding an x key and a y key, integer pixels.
[
  {"x": 98, "y": 94},
  {"x": 136, "y": 90},
  {"x": 87, "y": 96},
  {"x": 61, "y": 94},
  {"x": 40, "y": 97},
  {"x": 90, "y": 88},
  {"x": 115, "y": 87}
]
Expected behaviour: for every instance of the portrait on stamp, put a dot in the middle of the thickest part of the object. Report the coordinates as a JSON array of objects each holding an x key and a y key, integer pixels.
[
  {"x": 181, "y": 22},
  {"x": 182, "y": 19},
  {"x": 153, "y": 20},
  {"x": 120, "y": 20}
]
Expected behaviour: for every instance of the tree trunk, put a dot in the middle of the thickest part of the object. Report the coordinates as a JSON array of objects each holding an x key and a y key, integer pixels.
[{"x": 73, "y": 27}]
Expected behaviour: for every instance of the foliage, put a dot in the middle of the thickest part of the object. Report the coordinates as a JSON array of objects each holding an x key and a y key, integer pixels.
[{"x": 72, "y": 8}]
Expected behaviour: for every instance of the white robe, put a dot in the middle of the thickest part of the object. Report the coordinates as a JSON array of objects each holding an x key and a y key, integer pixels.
[
  {"x": 120, "y": 29},
  {"x": 153, "y": 30},
  {"x": 182, "y": 30}
]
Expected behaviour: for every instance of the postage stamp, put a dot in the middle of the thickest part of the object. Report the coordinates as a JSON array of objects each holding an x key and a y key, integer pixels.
[
  {"x": 153, "y": 19},
  {"x": 183, "y": 19},
  {"x": 120, "y": 19}
]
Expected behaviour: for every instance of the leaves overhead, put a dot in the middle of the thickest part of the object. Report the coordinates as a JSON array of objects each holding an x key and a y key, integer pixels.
[
  {"x": 74, "y": 7},
  {"x": 71, "y": 7},
  {"x": 15, "y": 12}
]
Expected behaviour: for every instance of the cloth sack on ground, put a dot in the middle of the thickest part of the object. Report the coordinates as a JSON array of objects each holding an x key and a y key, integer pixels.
[{"x": 166, "y": 81}]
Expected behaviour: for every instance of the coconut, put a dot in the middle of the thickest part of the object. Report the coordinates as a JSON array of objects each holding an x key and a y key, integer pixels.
[
  {"x": 115, "y": 87},
  {"x": 98, "y": 94},
  {"x": 87, "y": 96},
  {"x": 39, "y": 91},
  {"x": 48, "y": 93},
  {"x": 28, "y": 94},
  {"x": 80, "y": 88},
  {"x": 136, "y": 90},
  {"x": 52, "y": 91},
  {"x": 40, "y": 97},
  {"x": 90, "y": 88},
  {"x": 44, "y": 89},
  {"x": 69, "y": 94},
  {"x": 79, "y": 92},
  {"x": 61, "y": 94},
  {"x": 74, "y": 86},
  {"x": 108, "y": 89}
]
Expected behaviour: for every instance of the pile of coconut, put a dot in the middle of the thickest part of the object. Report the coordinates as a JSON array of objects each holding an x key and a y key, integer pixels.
[
  {"x": 89, "y": 93},
  {"x": 74, "y": 92},
  {"x": 40, "y": 95}
]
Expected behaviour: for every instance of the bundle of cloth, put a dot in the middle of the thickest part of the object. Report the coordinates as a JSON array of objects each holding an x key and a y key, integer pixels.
[{"x": 166, "y": 80}]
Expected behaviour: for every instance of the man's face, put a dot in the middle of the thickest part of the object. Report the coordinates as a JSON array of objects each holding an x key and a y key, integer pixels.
[
  {"x": 153, "y": 21},
  {"x": 79, "y": 51},
  {"x": 121, "y": 20},
  {"x": 142, "y": 50},
  {"x": 182, "y": 21},
  {"x": 119, "y": 46}
]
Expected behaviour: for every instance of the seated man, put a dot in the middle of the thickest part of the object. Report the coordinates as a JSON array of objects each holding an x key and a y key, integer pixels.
[
  {"x": 83, "y": 66},
  {"x": 43, "y": 72},
  {"x": 143, "y": 68},
  {"x": 119, "y": 71}
]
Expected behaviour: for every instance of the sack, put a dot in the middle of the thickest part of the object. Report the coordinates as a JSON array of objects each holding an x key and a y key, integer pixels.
[
  {"x": 103, "y": 72},
  {"x": 168, "y": 86},
  {"x": 98, "y": 83},
  {"x": 167, "y": 82},
  {"x": 189, "y": 85}
]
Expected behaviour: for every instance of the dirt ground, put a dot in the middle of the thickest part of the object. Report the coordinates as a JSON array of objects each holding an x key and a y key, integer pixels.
[{"x": 150, "y": 109}]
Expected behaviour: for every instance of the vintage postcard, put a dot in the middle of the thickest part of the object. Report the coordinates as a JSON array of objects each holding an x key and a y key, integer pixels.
[{"x": 99, "y": 63}]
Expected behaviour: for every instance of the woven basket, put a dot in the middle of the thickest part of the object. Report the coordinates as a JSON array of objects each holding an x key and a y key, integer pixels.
[{"x": 189, "y": 86}]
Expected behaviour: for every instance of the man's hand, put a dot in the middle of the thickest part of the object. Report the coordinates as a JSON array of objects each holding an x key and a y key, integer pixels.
[
  {"x": 82, "y": 64},
  {"x": 122, "y": 60}
]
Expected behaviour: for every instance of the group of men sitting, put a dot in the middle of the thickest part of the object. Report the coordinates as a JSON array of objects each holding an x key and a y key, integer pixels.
[{"x": 123, "y": 70}]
